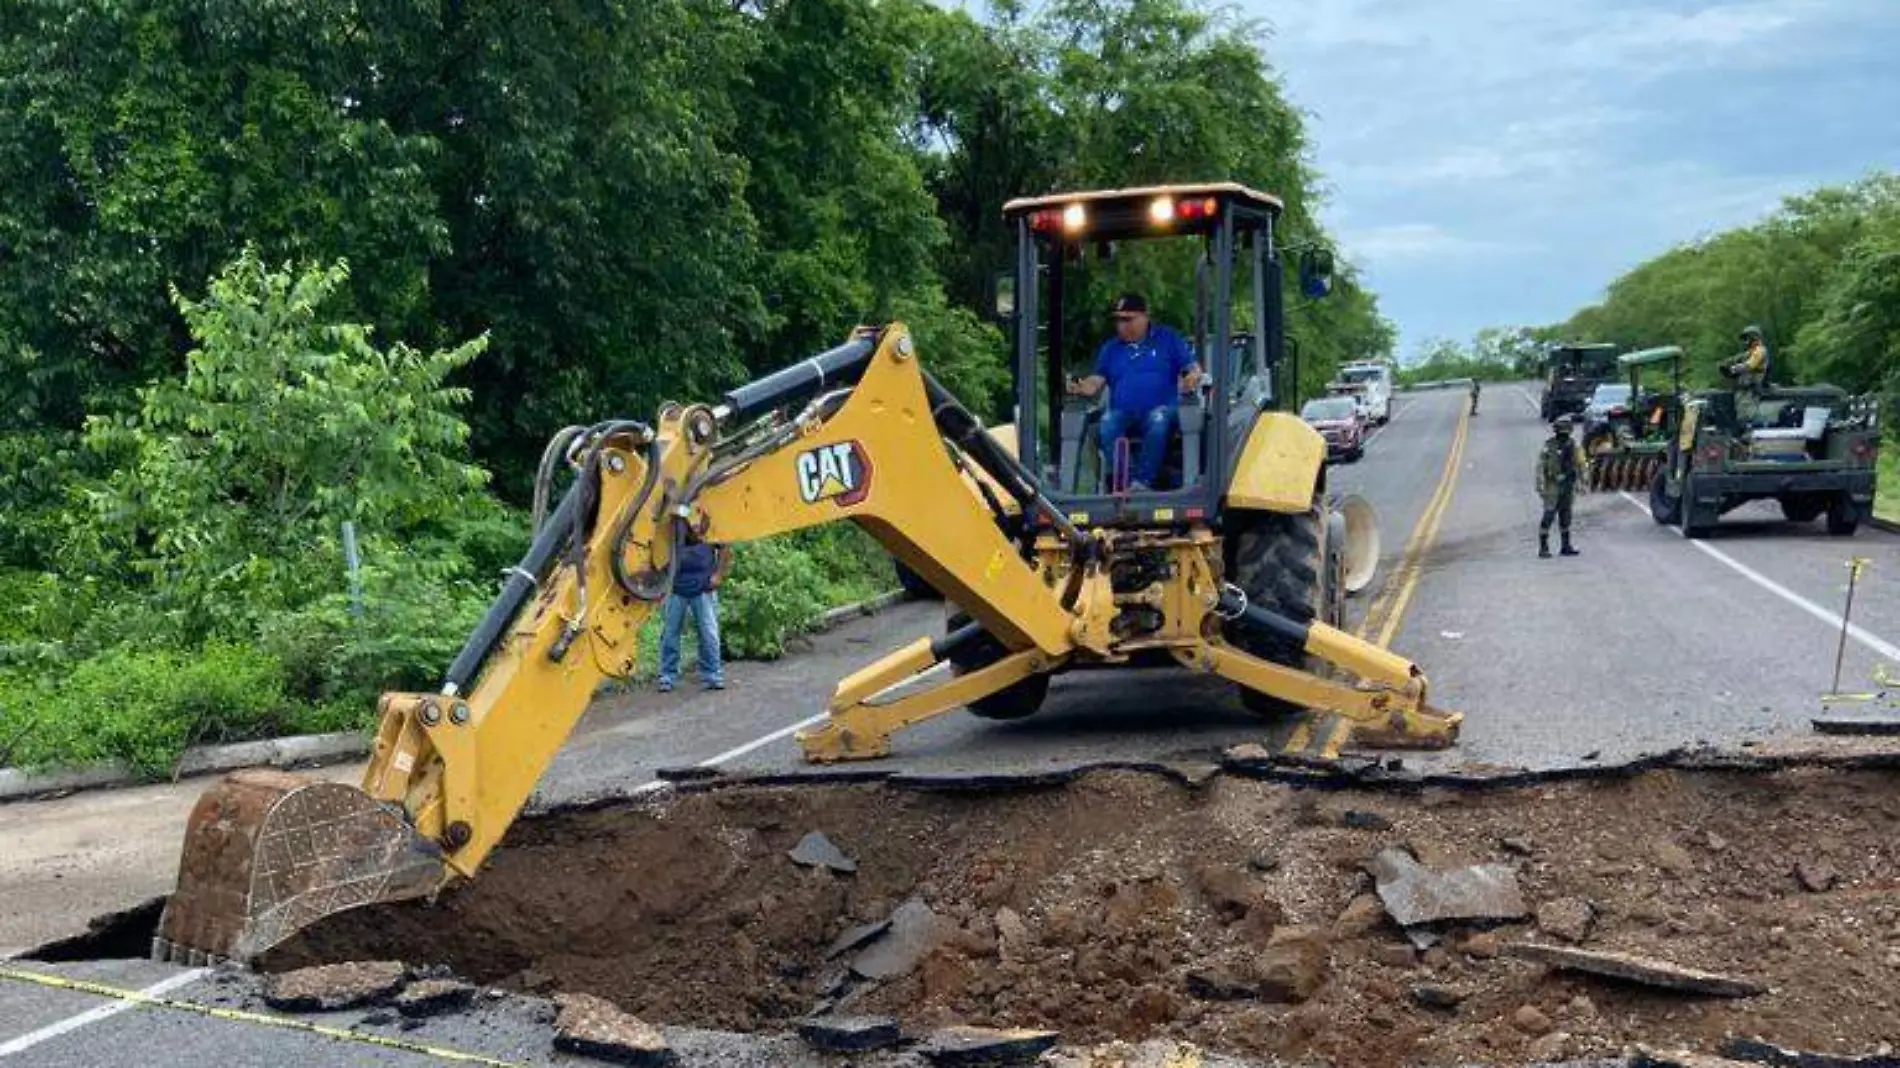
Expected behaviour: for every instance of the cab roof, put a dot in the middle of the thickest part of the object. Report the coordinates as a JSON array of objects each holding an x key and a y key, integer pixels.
[
  {"x": 1646, "y": 357},
  {"x": 1231, "y": 191}
]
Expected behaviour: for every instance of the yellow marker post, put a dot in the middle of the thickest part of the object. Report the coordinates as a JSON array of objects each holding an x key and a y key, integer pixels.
[{"x": 1855, "y": 565}]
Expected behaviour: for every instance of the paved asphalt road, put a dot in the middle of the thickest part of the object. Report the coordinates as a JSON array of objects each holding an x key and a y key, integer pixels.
[{"x": 1645, "y": 642}]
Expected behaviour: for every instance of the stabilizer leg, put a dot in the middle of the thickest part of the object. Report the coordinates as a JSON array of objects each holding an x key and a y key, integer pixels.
[
  {"x": 1372, "y": 714},
  {"x": 861, "y": 730}
]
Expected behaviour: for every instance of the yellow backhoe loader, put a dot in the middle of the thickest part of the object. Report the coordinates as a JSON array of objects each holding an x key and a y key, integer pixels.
[{"x": 1235, "y": 562}]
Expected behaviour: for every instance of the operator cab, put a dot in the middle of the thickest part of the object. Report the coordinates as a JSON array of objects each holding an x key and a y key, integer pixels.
[{"x": 1205, "y": 258}]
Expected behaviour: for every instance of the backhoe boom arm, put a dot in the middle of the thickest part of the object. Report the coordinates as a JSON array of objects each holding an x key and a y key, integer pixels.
[{"x": 462, "y": 763}]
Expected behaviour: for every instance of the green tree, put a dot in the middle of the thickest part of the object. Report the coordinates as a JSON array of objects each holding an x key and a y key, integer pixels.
[
  {"x": 1107, "y": 93},
  {"x": 231, "y": 481},
  {"x": 1854, "y": 337},
  {"x": 1817, "y": 259},
  {"x": 594, "y": 190}
]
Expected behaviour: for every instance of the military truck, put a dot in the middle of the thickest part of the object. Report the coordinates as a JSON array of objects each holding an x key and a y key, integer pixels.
[
  {"x": 1812, "y": 449},
  {"x": 1628, "y": 441},
  {"x": 1571, "y": 373}
]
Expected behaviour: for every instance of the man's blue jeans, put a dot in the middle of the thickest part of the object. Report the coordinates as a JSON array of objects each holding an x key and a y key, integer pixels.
[
  {"x": 1154, "y": 429},
  {"x": 705, "y": 610}
]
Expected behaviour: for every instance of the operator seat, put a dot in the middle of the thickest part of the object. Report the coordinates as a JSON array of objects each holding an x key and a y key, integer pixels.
[{"x": 1081, "y": 455}]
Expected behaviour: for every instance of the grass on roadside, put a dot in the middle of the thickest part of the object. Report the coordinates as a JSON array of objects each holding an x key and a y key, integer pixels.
[
  {"x": 1887, "y": 493},
  {"x": 67, "y": 699}
]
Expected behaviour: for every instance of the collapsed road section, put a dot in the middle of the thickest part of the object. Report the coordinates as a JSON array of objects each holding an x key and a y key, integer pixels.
[{"x": 1668, "y": 909}]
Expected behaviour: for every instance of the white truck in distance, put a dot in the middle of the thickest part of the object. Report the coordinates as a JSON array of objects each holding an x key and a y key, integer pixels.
[{"x": 1369, "y": 384}]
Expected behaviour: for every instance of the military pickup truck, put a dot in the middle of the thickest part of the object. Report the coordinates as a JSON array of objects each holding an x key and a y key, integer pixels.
[
  {"x": 1812, "y": 449},
  {"x": 1572, "y": 372}
]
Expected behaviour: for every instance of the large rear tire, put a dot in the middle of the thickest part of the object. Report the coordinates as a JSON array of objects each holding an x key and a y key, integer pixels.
[
  {"x": 1801, "y": 508},
  {"x": 1276, "y": 561},
  {"x": 1018, "y": 700},
  {"x": 1663, "y": 508},
  {"x": 1693, "y": 525},
  {"x": 1843, "y": 517}
]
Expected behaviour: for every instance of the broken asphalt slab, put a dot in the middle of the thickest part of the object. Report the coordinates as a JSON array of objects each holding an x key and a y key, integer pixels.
[
  {"x": 1414, "y": 894},
  {"x": 328, "y": 987},
  {"x": 1756, "y": 1051},
  {"x": 854, "y": 937},
  {"x": 431, "y": 997},
  {"x": 984, "y": 1047},
  {"x": 593, "y": 1027},
  {"x": 816, "y": 851},
  {"x": 1641, "y": 970},
  {"x": 914, "y": 931},
  {"x": 850, "y": 1034}
]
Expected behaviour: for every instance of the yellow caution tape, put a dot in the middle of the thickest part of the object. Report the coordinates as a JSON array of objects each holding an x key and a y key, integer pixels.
[{"x": 240, "y": 1016}]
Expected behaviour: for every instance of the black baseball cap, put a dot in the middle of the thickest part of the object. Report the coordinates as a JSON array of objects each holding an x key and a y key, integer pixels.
[{"x": 1129, "y": 302}]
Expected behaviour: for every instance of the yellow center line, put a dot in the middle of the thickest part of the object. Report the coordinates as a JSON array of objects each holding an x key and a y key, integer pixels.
[
  {"x": 60, "y": 982},
  {"x": 1388, "y": 612}
]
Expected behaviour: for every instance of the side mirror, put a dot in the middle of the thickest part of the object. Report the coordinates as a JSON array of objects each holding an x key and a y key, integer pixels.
[
  {"x": 1316, "y": 272},
  {"x": 1005, "y": 288}
]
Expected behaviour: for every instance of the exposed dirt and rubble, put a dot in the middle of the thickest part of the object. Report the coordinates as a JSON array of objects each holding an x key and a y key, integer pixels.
[{"x": 1241, "y": 916}]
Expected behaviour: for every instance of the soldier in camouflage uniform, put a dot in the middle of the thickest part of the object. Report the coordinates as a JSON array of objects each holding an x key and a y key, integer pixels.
[
  {"x": 1559, "y": 464},
  {"x": 1749, "y": 370}
]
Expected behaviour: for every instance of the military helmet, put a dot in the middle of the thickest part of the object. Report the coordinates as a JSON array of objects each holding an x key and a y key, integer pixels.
[
  {"x": 1752, "y": 331},
  {"x": 1563, "y": 423}
]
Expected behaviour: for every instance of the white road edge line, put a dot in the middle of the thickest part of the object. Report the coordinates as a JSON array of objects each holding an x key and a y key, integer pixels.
[
  {"x": 737, "y": 751},
  {"x": 94, "y": 1015},
  {"x": 1526, "y": 394},
  {"x": 1854, "y": 631},
  {"x": 757, "y": 743}
]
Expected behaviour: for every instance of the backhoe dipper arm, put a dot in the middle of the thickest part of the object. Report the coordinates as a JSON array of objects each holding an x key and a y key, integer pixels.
[{"x": 868, "y": 448}]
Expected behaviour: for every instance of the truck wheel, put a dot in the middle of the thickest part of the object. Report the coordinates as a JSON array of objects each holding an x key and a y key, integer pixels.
[
  {"x": 1801, "y": 508},
  {"x": 1015, "y": 701},
  {"x": 1276, "y": 561},
  {"x": 1843, "y": 518},
  {"x": 1663, "y": 508},
  {"x": 1692, "y": 525}
]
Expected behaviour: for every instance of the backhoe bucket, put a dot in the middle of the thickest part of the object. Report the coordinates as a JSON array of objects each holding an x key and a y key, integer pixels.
[{"x": 268, "y": 853}]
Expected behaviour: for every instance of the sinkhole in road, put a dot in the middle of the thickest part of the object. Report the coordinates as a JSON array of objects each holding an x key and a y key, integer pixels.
[{"x": 1237, "y": 914}]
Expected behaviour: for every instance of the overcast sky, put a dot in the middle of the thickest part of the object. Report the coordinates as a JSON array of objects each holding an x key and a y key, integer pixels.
[
  {"x": 1493, "y": 162},
  {"x": 1497, "y": 162}
]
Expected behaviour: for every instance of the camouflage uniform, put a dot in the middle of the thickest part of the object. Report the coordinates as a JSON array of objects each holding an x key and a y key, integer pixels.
[
  {"x": 1560, "y": 463},
  {"x": 1474, "y": 396},
  {"x": 1750, "y": 371}
]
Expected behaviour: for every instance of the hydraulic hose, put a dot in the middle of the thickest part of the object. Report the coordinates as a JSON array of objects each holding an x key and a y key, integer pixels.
[
  {"x": 516, "y": 589},
  {"x": 966, "y": 432}
]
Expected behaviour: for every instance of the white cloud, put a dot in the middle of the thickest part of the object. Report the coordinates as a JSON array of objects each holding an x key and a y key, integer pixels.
[{"x": 1399, "y": 242}]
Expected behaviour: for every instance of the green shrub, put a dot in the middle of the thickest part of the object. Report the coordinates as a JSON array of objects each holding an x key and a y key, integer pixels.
[
  {"x": 414, "y": 618},
  {"x": 143, "y": 707},
  {"x": 777, "y": 587}
]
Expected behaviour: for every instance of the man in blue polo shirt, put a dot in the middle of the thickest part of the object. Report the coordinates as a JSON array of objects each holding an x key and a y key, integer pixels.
[{"x": 1146, "y": 368}]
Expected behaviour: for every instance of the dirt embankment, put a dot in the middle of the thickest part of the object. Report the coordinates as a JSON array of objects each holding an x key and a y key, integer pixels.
[{"x": 1237, "y": 916}]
